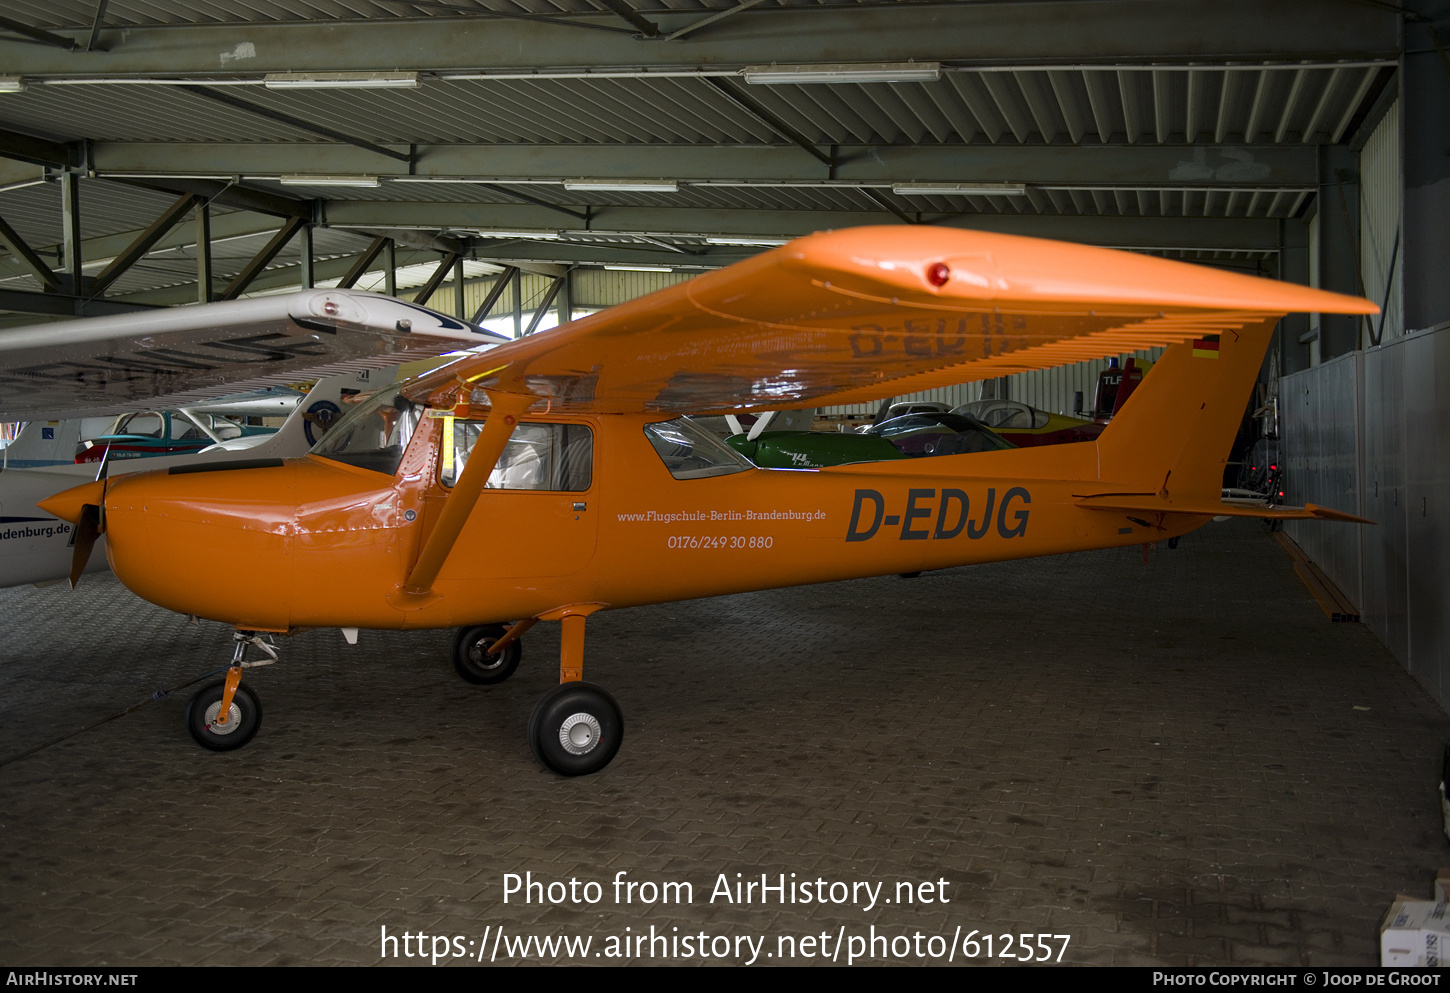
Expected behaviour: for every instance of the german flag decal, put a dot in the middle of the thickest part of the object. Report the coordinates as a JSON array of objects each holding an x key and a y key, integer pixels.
[{"x": 1206, "y": 348}]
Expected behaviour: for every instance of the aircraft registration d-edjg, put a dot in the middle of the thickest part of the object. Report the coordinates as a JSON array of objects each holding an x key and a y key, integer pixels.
[{"x": 555, "y": 476}]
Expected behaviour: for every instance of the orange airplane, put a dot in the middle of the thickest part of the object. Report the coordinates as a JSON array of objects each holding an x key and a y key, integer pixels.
[{"x": 554, "y": 476}]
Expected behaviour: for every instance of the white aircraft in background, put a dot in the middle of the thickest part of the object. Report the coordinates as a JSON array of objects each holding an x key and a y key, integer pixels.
[
  {"x": 50, "y": 443},
  {"x": 37, "y": 548},
  {"x": 183, "y": 358}
]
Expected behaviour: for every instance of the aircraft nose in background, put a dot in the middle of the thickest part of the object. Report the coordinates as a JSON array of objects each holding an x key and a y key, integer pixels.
[{"x": 68, "y": 504}]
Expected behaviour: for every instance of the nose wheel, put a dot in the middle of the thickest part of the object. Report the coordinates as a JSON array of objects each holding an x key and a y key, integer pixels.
[
  {"x": 204, "y": 717},
  {"x": 225, "y": 715},
  {"x": 576, "y": 728}
]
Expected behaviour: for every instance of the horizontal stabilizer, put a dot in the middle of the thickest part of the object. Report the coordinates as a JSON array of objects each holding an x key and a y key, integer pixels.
[{"x": 1152, "y": 504}]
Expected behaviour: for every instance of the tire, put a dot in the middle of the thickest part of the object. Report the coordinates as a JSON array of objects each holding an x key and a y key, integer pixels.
[
  {"x": 474, "y": 663},
  {"x": 576, "y": 729},
  {"x": 242, "y": 723}
]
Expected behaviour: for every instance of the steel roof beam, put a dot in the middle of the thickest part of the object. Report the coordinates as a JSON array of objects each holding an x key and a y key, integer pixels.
[
  {"x": 752, "y": 107},
  {"x": 1064, "y": 30},
  {"x": 545, "y": 304},
  {"x": 1256, "y": 233},
  {"x": 226, "y": 194},
  {"x": 96, "y": 23},
  {"x": 41, "y": 151},
  {"x": 1135, "y": 165},
  {"x": 885, "y": 201},
  {"x": 706, "y": 21},
  {"x": 262, "y": 259},
  {"x": 229, "y": 100},
  {"x": 507, "y": 14},
  {"x": 36, "y": 34},
  {"x": 414, "y": 238},
  {"x": 525, "y": 198},
  {"x": 62, "y": 305},
  {"x": 638, "y": 21},
  {"x": 225, "y": 227},
  {"x": 497, "y": 290},
  {"x": 145, "y": 241},
  {"x": 278, "y": 277},
  {"x": 364, "y": 262},
  {"x": 426, "y": 291},
  {"x": 26, "y": 257}
]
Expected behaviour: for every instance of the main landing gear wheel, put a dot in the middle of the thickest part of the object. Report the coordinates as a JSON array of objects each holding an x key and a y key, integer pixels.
[
  {"x": 576, "y": 728},
  {"x": 474, "y": 662},
  {"x": 244, "y": 717}
]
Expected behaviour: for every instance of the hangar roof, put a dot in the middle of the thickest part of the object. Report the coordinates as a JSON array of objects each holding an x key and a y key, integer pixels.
[{"x": 1184, "y": 127}]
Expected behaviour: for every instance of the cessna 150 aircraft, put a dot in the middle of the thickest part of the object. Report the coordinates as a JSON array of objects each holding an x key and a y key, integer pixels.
[{"x": 554, "y": 476}]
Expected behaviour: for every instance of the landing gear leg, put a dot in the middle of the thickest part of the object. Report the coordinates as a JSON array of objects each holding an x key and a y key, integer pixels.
[
  {"x": 225, "y": 715},
  {"x": 577, "y": 727}
]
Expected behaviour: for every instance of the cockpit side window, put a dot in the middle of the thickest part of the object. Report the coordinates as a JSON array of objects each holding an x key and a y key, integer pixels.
[
  {"x": 147, "y": 425},
  {"x": 539, "y": 456},
  {"x": 690, "y": 452}
]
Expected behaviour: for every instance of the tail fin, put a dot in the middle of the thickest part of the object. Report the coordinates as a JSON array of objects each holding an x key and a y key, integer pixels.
[
  {"x": 1166, "y": 449},
  {"x": 1173, "y": 437}
]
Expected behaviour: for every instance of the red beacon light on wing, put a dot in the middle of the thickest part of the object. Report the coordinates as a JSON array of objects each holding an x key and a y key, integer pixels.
[{"x": 938, "y": 274}]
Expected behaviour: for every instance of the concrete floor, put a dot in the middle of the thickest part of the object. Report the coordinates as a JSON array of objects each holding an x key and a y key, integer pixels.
[{"x": 1175, "y": 763}]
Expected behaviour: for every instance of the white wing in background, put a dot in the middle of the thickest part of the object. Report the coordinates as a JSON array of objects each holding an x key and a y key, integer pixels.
[{"x": 178, "y": 356}]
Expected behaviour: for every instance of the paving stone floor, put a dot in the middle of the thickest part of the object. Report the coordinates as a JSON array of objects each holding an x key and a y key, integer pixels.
[{"x": 1180, "y": 763}]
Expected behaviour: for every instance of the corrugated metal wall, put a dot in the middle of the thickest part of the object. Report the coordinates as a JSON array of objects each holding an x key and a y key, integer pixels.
[
  {"x": 589, "y": 290},
  {"x": 595, "y": 289},
  {"x": 1319, "y": 417},
  {"x": 1426, "y": 503},
  {"x": 1380, "y": 195},
  {"x": 1047, "y": 389},
  {"x": 1369, "y": 432}
]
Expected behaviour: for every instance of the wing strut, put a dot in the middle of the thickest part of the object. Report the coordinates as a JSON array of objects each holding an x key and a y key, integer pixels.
[{"x": 502, "y": 418}]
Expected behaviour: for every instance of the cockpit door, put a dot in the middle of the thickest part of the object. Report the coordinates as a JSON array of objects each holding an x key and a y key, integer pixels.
[{"x": 536, "y": 517}]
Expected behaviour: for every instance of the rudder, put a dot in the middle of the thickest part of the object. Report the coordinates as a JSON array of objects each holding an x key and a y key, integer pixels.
[{"x": 1173, "y": 437}]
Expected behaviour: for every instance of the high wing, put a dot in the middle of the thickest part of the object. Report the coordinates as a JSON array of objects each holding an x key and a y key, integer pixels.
[
  {"x": 182, "y": 355},
  {"x": 855, "y": 315}
]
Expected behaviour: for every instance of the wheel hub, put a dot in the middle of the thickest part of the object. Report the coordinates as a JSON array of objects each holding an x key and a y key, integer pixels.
[
  {"x": 483, "y": 657},
  {"x": 234, "y": 718},
  {"x": 579, "y": 734}
]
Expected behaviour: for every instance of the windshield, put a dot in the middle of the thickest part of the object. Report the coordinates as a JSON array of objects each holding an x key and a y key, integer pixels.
[{"x": 373, "y": 434}]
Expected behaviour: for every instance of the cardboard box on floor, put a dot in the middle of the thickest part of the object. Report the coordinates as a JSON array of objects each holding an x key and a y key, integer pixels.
[{"x": 1417, "y": 932}]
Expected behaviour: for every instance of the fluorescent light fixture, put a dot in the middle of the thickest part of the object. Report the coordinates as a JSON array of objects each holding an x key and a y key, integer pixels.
[
  {"x": 340, "y": 80},
  {"x": 622, "y": 185},
  {"x": 959, "y": 189},
  {"x": 744, "y": 240},
  {"x": 844, "y": 72},
  {"x": 329, "y": 180},
  {"x": 640, "y": 268},
  {"x": 12, "y": 84},
  {"x": 530, "y": 235}
]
